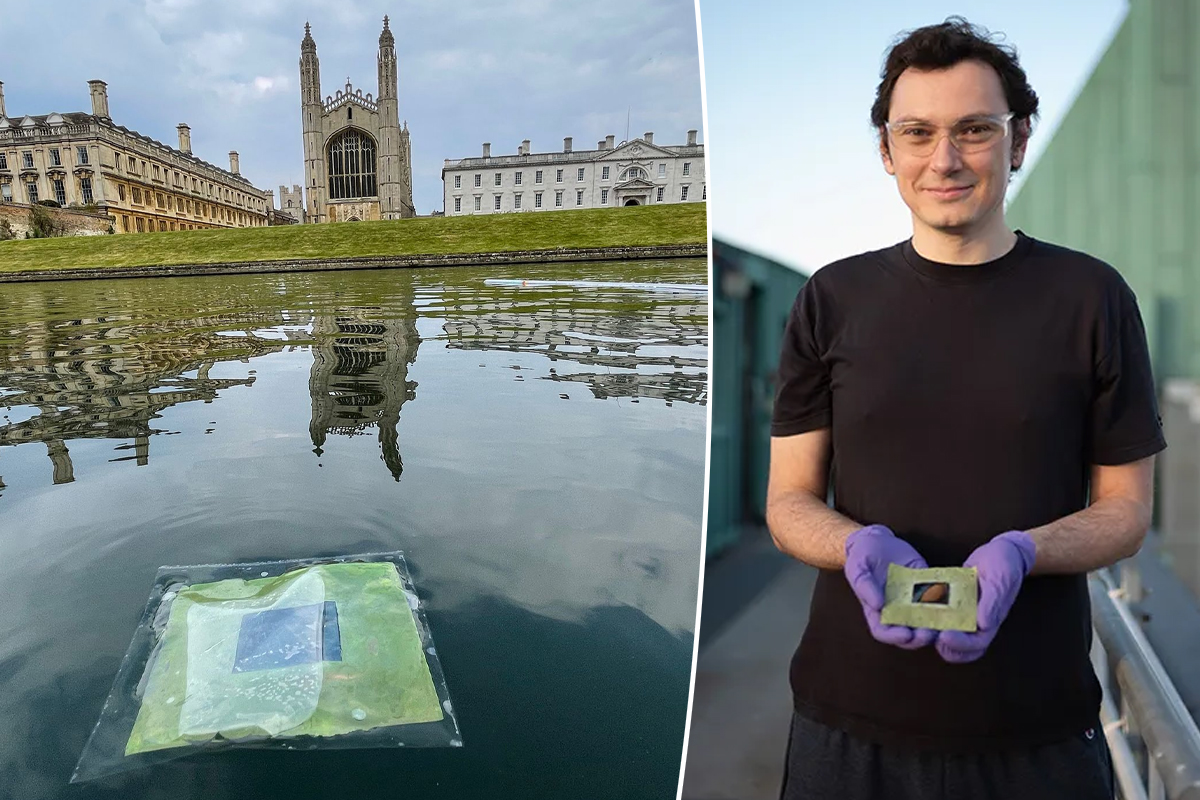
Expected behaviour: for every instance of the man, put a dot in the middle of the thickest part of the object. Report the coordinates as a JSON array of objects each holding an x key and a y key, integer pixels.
[{"x": 973, "y": 397}]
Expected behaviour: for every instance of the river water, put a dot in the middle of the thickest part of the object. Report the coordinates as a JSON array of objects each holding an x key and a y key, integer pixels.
[{"x": 536, "y": 451}]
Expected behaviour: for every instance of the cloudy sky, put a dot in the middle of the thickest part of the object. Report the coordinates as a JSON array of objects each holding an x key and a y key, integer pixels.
[
  {"x": 469, "y": 72},
  {"x": 796, "y": 81}
]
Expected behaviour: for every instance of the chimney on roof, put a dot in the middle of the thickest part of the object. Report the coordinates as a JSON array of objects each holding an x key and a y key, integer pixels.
[
  {"x": 600, "y": 145},
  {"x": 566, "y": 144},
  {"x": 185, "y": 138},
  {"x": 487, "y": 149},
  {"x": 691, "y": 137},
  {"x": 99, "y": 91},
  {"x": 525, "y": 147},
  {"x": 648, "y": 137},
  {"x": 610, "y": 141},
  {"x": 1, "y": 98},
  {"x": 233, "y": 162}
]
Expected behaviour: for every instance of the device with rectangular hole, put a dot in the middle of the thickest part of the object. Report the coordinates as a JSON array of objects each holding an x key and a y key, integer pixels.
[{"x": 939, "y": 598}]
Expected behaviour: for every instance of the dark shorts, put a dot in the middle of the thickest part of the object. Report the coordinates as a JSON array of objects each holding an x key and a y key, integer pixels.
[{"x": 824, "y": 763}]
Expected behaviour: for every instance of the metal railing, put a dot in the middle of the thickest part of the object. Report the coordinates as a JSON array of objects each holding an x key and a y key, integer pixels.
[{"x": 1154, "y": 741}]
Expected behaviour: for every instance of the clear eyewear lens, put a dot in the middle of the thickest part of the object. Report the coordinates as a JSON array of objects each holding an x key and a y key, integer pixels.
[{"x": 969, "y": 136}]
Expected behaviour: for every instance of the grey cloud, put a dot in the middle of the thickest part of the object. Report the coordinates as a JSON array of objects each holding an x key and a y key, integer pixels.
[{"x": 489, "y": 70}]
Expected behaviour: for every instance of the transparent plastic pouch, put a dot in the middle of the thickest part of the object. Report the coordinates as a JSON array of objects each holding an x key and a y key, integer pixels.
[{"x": 298, "y": 654}]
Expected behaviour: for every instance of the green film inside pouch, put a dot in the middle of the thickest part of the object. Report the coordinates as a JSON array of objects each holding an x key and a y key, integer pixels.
[{"x": 322, "y": 650}]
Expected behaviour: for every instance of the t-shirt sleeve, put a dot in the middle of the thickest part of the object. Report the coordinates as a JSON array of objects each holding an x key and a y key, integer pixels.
[
  {"x": 802, "y": 394},
  {"x": 1126, "y": 425}
]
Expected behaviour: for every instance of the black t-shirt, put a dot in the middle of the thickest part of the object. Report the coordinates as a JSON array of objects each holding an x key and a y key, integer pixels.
[{"x": 963, "y": 402}]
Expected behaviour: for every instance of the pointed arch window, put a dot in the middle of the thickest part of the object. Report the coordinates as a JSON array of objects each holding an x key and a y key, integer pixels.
[{"x": 351, "y": 165}]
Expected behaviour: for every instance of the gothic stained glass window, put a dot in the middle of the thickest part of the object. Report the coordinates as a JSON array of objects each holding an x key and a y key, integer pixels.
[{"x": 351, "y": 166}]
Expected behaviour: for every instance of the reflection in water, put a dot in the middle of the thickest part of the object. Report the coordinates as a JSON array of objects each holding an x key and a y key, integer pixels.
[
  {"x": 643, "y": 343},
  {"x": 359, "y": 378},
  {"x": 109, "y": 378},
  {"x": 93, "y": 379}
]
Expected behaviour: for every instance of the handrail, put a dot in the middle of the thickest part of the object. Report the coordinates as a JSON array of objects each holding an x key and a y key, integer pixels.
[{"x": 1159, "y": 714}]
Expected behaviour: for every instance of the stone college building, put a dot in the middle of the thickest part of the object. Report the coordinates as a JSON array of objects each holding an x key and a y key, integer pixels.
[
  {"x": 638, "y": 172},
  {"x": 357, "y": 161},
  {"x": 78, "y": 159}
]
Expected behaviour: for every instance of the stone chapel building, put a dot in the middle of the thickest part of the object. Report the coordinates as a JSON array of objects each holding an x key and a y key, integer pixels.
[{"x": 357, "y": 160}]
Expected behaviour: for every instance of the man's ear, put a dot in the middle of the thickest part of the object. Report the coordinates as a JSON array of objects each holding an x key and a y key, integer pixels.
[
  {"x": 884, "y": 154},
  {"x": 1020, "y": 142}
]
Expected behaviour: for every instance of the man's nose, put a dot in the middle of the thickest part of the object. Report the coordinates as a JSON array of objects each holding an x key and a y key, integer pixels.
[{"x": 945, "y": 159}]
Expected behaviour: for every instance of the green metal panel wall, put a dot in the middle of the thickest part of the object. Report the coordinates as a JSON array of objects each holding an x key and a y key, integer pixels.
[
  {"x": 752, "y": 296},
  {"x": 1119, "y": 180}
]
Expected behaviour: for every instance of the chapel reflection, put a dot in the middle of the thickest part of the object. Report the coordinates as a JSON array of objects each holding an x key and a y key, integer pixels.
[
  {"x": 640, "y": 344},
  {"x": 359, "y": 378}
]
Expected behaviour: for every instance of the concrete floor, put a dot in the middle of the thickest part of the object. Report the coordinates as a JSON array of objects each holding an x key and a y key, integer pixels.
[{"x": 742, "y": 704}]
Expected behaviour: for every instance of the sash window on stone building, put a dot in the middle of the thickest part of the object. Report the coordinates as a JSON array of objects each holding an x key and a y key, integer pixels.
[
  {"x": 516, "y": 201},
  {"x": 82, "y": 152},
  {"x": 558, "y": 176},
  {"x": 579, "y": 197},
  {"x": 604, "y": 197},
  {"x": 3, "y": 161},
  {"x": 683, "y": 193},
  {"x": 55, "y": 158},
  {"x": 604, "y": 173},
  {"x": 580, "y": 174},
  {"x": 496, "y": 205},
  {"x": 537, "y": 176},
  {"x": 558, "y": 199},
  {"x": 458, "y": 204},
  {"x": 85, "y": 185},
  {"x": 659, "y": 197},
  {"x": 537, "y": 200},
  {"x": 31, "y": 192},
  {"x": 6, "y": 192},
  {"x": 27, "y": 159},
  {"x": 60, "y": 192}
]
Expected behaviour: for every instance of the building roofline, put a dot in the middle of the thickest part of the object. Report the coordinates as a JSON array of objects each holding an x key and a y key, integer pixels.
[
  {"x": 79, "y": 118},
  {"x": 575, "y": 156}
]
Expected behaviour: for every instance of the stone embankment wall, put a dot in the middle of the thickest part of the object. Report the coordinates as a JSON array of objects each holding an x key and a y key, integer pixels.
[
  {"x": 70, "y": 221},
  {"x": 559, "y": 255}
]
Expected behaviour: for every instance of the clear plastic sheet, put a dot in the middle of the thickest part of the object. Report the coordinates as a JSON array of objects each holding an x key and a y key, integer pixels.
[{"x": 299, "y": 654}]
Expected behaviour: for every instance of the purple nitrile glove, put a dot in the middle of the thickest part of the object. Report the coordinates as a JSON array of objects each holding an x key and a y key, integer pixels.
[
  {"x": 1001, "y": 565},
  {"x": 869, "y": 551}
]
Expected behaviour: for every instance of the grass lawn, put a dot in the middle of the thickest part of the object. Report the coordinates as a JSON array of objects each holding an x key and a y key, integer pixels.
[{"x": 668, "y": 224}]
